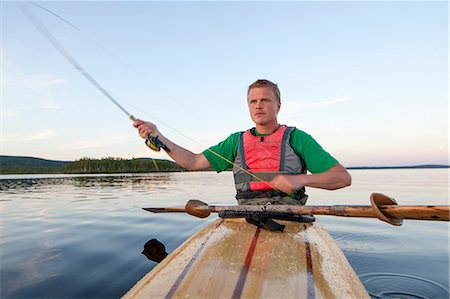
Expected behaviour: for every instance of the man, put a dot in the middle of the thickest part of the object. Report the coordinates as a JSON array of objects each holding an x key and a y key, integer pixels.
[{"x": 269, "y": 161}]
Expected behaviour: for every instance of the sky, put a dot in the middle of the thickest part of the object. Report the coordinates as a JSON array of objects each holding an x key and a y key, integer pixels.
[{"x": 368, "y": 80}]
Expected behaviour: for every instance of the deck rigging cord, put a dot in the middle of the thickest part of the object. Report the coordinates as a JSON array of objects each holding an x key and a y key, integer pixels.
[{"x": 151, "y": 141}]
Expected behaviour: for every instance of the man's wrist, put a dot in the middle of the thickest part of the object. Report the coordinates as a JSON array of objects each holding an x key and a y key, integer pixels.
[{"x": 302, "y": 180}]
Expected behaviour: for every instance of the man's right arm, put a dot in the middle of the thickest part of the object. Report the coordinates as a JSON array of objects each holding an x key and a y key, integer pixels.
[{"x": 182, "y": 156}]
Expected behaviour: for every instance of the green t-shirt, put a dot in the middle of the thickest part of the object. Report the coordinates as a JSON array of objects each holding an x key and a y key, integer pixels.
[{"x": 317, "y": 160}]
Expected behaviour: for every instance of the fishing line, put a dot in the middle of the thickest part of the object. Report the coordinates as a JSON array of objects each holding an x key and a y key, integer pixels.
[
  {"x": 103, "y": 48},
  {"x": 40, "y": 26},
  {"x": 46, "y": 33},
  {"x": 94, "y": 41},
  {"x": 150, "y": 141}
]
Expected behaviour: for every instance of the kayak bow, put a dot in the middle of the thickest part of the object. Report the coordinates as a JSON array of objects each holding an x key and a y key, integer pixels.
[{"x": 233, "y": 259}]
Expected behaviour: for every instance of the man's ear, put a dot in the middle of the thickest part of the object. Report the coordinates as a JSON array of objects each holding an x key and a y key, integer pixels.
[{"x": 279, "y": 106}]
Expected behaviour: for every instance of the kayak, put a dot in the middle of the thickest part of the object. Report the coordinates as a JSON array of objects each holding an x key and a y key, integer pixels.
[{"x": 231, "y": 258}]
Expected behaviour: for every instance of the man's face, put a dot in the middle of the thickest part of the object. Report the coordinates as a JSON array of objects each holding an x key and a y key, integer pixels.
[{"x": 262, "y": 105}]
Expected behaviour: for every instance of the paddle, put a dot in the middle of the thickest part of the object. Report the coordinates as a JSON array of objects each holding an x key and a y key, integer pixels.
[{"x": 382, "y": 207}]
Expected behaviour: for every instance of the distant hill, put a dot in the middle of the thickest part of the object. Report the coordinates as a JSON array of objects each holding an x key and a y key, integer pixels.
[{"x": 18, "y": 164}]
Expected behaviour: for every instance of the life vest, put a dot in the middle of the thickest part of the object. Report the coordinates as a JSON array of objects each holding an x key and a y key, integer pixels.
[{"x": 265, "y": 157}]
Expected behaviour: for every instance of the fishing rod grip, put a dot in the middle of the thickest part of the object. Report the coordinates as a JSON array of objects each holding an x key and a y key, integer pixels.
[{"x": 153, "y": 142}]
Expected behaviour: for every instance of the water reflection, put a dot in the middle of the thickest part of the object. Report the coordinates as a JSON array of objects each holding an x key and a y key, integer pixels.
[
  {"x": 85, "y": 181},
  {"x": 39, "y": 266},
  {"x": 392, "y": 285},
  {"x": 154, "y": 250},
  {"x": 366, "y": 241},
  {"x": 120, "y": 181}
]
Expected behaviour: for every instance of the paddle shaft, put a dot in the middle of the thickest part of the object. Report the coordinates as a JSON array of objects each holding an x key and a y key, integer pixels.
[{"x": 438, "y": 213}]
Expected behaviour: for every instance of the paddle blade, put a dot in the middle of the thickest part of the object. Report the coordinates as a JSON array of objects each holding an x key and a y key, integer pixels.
[
  {"x": 378, "y": 200},
  {"x": 197, "y": 208},
  {"x": 165, "y": 210}
]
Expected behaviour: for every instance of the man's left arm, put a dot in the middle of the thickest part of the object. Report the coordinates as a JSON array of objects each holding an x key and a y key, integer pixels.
[{"x": 334, "y": 178}]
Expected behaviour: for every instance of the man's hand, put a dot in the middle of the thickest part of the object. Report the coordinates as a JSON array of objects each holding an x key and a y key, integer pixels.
[
  {"x": 182, "y": 156},
  {"x": 287, "y": 183},
  {"x": 145, "y": 128},
  {"x": 334, "y": 178}
]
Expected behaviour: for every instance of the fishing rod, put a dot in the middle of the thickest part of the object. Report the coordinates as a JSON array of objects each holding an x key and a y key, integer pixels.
[{"x": 153, "y": 142}]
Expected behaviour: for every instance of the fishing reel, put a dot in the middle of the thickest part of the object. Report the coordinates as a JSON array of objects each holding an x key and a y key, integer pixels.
[{"x": 155, "y": 144}]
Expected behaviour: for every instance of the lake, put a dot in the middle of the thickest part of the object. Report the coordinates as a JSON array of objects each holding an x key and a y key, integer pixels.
[{"x": 82, "y": 236}]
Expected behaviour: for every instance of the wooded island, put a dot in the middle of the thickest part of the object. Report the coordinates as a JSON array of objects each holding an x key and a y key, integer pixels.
[{"x": 24, "y": 165}]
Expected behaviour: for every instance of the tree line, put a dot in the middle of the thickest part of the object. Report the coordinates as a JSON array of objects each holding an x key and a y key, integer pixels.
[{"x": 119, "y": 165}]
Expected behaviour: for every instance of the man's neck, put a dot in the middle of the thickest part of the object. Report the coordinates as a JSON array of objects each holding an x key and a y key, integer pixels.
[{"x": 267, "y": 129}]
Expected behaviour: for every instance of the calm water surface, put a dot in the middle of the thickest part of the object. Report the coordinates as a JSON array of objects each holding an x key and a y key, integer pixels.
[{"x": 83, "y": 236}]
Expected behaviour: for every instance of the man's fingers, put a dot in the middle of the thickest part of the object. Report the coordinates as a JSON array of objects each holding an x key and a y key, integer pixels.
[
  {"x": 137, "y": 123},
  {"x": 145, "y": 128},
  {"x": 282, "y": 183},
  {"x": 144, "y": 131},
  {"x": 277, "y": 184}
]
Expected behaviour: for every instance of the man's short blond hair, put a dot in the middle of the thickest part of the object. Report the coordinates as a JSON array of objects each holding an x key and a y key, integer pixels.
[{"x": 266, "y": 83}]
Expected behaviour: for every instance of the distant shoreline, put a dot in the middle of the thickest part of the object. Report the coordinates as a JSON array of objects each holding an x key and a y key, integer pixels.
[
  {"x": 33, "y": 165},
  {"x": 430, "y": 166}
]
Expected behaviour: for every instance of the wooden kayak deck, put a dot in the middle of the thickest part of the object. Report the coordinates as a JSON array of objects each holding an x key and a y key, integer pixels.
[{"x": 233, "y": 259}]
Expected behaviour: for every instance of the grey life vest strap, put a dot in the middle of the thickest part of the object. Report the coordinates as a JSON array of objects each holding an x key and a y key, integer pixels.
[
  {"x": 286, "y": 134},
  {"x": 242, "y": 152}
]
